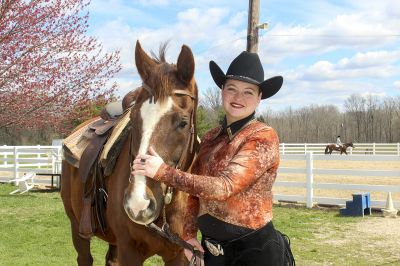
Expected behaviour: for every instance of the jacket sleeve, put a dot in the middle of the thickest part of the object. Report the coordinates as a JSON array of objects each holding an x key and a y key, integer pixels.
[{"x": 256, "y": 156}]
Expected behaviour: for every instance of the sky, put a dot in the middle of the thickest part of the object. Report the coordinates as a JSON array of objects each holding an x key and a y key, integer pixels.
[{"x": 325, "y": 50}]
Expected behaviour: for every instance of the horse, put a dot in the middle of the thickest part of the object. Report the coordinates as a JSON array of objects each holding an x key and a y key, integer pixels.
[
  {"x": 329, "y": 148},
  {"x": 163, "y": 116}
]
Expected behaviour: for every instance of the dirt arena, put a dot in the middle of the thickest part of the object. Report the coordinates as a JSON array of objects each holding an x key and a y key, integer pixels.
[{"x": 362, "y": 165}]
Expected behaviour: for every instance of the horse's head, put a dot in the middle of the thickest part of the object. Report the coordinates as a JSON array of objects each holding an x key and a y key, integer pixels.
[{"x": 163, "y": 116}]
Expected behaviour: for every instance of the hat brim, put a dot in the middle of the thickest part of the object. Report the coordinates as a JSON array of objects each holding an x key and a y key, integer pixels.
[
  {"x": 217, "y": 74},
  {"x": 271, "y": 86},
  {"x": 268, "y": 87}
]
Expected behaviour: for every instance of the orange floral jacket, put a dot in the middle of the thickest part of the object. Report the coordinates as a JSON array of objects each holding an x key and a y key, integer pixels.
[{"x": 231, "y": 179}]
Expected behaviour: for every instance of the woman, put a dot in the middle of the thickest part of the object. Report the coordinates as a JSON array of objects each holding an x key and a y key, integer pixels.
[{"x": 230, "y": 185}]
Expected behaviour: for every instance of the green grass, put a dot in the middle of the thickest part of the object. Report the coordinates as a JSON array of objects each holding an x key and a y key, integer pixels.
[{"x": 35, "y": 231}]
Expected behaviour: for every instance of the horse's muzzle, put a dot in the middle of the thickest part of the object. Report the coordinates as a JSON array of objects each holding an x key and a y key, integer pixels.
[{"x": 143, "y": 209}]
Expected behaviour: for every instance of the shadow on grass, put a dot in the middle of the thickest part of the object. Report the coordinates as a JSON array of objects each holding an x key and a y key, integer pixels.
[{"x": 44, "y": 190}]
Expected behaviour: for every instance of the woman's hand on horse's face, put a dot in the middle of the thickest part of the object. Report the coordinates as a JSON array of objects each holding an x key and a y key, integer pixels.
[{"x": 147, "y": 164}]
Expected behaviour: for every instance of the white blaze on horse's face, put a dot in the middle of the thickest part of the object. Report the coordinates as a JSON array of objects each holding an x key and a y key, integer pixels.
[{"x": 136, "y": 203}]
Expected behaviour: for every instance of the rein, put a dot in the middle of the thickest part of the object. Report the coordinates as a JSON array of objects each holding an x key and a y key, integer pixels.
[{"x": 165, "y": 231}]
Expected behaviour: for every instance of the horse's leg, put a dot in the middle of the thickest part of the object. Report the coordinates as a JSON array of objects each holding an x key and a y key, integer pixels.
[
  {"x": 68, "y": 190},
  {"x": 111, "y": 256},
  {"x": 128, "y": 254},
  {"x": 82, "y": 246}
]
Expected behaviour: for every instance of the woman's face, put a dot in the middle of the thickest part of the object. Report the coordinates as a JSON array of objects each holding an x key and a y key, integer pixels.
[{"x": 239, "y": 99}]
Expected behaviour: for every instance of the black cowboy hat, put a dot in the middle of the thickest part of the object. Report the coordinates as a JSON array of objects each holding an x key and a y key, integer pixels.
[{"x": 247, "y": 67}]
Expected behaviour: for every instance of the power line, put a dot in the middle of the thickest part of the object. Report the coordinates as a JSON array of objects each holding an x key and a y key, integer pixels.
[
  {"x": 332, "y": 35},
  {"x": 302, "y": 35}
]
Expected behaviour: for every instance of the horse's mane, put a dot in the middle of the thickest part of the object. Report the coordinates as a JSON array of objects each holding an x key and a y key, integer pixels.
[
  {"x": 164, "y": 72},
  {"x": 162, "y": 50}
]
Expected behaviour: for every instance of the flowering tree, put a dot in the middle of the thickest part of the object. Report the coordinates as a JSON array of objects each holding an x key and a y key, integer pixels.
[{"x": 48, "y": 66}]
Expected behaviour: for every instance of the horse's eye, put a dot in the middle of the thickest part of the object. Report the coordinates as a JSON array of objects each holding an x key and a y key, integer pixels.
[{"x": 182, "y": 124}]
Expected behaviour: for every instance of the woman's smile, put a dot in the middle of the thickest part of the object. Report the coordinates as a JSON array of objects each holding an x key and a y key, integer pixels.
[{"x": 236, "y": 105}]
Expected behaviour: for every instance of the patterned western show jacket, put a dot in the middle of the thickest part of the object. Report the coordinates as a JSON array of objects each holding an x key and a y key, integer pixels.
[{"x": 232, "y": 177}]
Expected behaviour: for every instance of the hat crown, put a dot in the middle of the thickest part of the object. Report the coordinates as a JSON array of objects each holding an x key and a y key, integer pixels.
[{"x": 247, "y": 65}]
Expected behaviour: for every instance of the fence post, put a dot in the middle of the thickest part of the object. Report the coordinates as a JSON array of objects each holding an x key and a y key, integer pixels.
[
  {"x": 283, "y": 148},
  {"x": 309, "y": 165},
  {"x": 38, "y": 156},
  {"x": 373, "y": 148},
  {"x": 305, "y": 147},
  {"x": 15, "y": 162},
  {"x": 398, "y": 148},
  {"x": 5, "y": 163}
]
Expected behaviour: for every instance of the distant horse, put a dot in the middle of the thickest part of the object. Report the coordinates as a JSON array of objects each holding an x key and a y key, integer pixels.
[
  {"x": 163, "y": 116},
  {"x": 331, "y": 147}
]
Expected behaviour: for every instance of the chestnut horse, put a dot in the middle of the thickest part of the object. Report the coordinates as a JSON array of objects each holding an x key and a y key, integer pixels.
[
  {"x": 163, "y": 116},
  {"x": 331, "y": 147}
]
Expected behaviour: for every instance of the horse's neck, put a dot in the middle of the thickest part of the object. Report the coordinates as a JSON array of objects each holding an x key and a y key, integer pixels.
[{"x": 175, "y": 212}]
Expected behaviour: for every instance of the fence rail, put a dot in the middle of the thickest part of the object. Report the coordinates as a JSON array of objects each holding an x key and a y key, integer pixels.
[
  {"x": 359, "y": 148},
  {"x": 16, "y": 160},
  {"x": 310, "y": 185}
]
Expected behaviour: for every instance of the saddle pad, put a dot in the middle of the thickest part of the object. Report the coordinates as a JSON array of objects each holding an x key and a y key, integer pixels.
[
  {"x": 115, "y": 135},
  {"x": 77, "y": 142}
]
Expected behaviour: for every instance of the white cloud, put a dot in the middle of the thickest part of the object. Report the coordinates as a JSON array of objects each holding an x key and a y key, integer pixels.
[
  {"x": 359, "y": 29},
  {"x": 393, "y": 9},
  {"x": 396, "y": 84},
  {"x": 379, "y": 64},
  {"x": 114, "y": 8},
  {"x": 370, "y": 59},
  {"x": 345, "y": 51}
]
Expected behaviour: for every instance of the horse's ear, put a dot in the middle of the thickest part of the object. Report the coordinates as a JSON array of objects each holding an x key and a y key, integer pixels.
[
  {"x": 185, "y": 64},
  {"x": 144, "y": 63}
]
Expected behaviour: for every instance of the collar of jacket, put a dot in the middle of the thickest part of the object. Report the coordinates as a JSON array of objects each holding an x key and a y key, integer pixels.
[{"x": 235, "y": 127}]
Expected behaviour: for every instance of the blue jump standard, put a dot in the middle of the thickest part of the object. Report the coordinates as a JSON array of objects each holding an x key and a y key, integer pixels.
[{"x": 359, "y": 206}]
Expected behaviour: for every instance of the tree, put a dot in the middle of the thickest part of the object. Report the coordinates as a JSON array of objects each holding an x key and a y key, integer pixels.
[
  {"x": 355, "y": 106},
  {"x": 210, "y": 112},
  {"x": 48, "y": 66},
  {"x": 212, "y": 98}
]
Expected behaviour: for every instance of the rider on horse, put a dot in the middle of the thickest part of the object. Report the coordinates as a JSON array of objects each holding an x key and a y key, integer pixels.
[{"x": 338, "y": 142}]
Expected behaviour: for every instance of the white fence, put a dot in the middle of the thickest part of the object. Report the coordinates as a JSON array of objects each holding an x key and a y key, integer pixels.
[
  {"x": 359, "y": 148},
  {"x": 309, "y": 171},
  {"x": 16, "y": 160}
]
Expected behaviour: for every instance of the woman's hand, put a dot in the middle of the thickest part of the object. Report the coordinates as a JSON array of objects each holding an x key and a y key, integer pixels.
[
  {"x": 196, "y": 244},
  {"x": 147, "y": 164}
]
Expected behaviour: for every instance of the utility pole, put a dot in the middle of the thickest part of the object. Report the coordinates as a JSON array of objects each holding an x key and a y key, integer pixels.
[{"x": 252, "y": 26}]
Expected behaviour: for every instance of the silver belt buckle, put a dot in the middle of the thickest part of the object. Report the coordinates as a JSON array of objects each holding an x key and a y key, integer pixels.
[{"x": 215, "y": 249}]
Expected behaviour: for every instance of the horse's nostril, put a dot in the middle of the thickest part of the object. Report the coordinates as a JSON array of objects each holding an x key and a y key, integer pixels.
[{"x": 148, "y": 213}]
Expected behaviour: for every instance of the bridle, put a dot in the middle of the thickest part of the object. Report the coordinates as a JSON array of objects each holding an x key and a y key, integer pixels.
[
  {"x": 190, "y": 143},
  {"x": 165, "y": 231}
]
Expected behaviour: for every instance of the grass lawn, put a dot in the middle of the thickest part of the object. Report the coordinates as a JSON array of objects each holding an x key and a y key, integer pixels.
[{"x": 34, "y": 230}]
